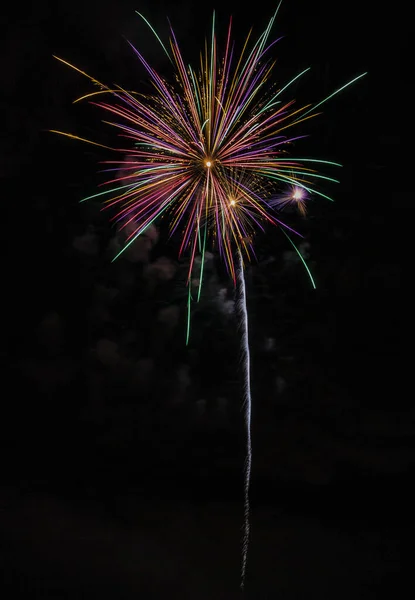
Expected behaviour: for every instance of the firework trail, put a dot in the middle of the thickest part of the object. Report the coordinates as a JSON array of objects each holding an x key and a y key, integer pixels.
[{"x": 247, "y": 407}]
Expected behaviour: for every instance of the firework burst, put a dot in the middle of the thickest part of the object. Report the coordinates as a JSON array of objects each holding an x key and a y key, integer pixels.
[
  {"x": 209, "y": 150},
  {"x": 189, "y": 142}
]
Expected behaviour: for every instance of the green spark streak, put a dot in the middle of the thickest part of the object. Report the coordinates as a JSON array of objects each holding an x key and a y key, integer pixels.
[
  {"x": 199, "y": 243},
  {"x": 270, "y": 103},
  {"x": 196, "y": 93},
  {"x": 211, "y": 84},
  {"x": 267, "y": 31},
  {"x": 202, "y": 265},
  {"x": 316, "y": 160},
  {"x": 155, "y": 33},
  {"x": 122, "y": 187},
  {"x": 260, "y": 44},
  {"x": 140, "y": 231},
  {"x": 301, "y": 258},
  {"x": 282, "y": 177},
  {"x": 132, "y": 186},
  {"x": 331, "y": 96},
  {"x": 189, "y": 299},
  {"x": 314, "y": 175}
]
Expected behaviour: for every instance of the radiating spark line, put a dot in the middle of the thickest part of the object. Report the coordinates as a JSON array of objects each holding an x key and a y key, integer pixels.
[
  {"x": 189, "y": 299},
  {"x": 80, "y": 139},
  {"x": 68, "y": 64},
  {"x": 271, "y": 102},
  {"x": 156, "y": 35},
  {"x": 301, "y": 258},
  {"x": 316, "y": 160},
  {"x": 202, "y": 264},
  {"x": 340, "y": 89}
]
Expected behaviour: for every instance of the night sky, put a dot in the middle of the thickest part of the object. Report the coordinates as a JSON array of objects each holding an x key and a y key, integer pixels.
[{"x": 122, "y": 471}]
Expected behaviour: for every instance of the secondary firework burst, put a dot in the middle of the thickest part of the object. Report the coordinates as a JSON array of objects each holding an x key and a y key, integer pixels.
[{"x": 295, "y": 196}]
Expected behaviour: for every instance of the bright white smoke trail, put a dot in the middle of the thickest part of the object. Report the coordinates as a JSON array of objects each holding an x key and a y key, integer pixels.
[{"x": 247, "y": 405}]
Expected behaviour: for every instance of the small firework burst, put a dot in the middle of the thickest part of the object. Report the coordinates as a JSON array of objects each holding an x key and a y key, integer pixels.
[{"x": 295, "y": 196}]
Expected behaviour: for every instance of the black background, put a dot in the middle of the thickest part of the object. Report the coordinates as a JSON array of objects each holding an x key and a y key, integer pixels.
[{"x": 123, "y": 464}]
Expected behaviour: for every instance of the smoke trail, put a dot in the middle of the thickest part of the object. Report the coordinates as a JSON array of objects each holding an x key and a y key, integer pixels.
[{"x": 243, "y": 316}]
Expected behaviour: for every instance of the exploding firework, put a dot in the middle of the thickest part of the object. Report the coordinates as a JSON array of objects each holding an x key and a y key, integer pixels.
[
  {"x": 210, "y": 151},
  {"x": 189, "y": 141}
]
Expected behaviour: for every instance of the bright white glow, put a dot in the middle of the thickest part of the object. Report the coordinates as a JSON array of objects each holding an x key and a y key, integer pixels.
[
  {"x": 233, "y": 202},
  {"x": 298, "y": 193},
  {"x": 208, "y": 163}
]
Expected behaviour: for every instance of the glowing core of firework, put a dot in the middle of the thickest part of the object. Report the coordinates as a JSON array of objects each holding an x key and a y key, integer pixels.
[{"x": 298, "y": 194}]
